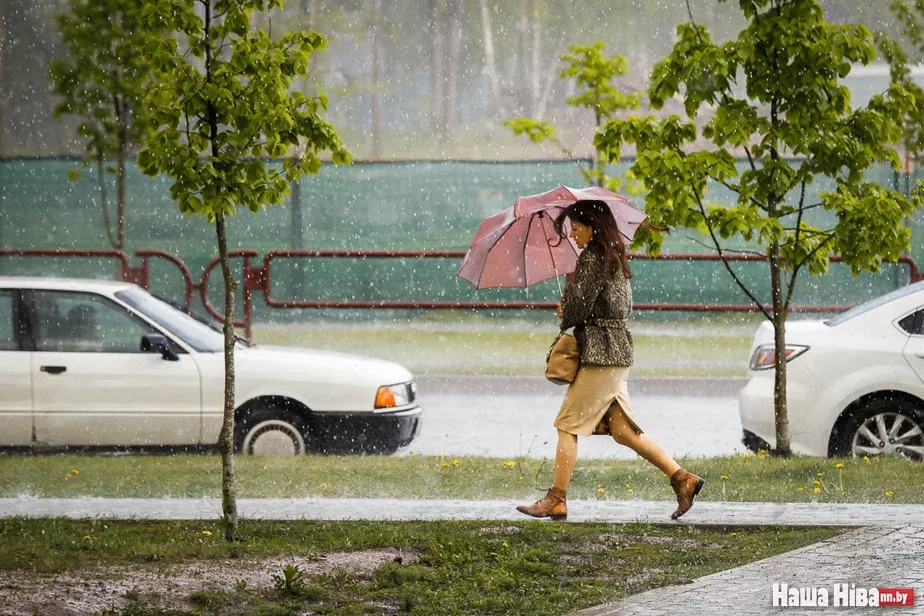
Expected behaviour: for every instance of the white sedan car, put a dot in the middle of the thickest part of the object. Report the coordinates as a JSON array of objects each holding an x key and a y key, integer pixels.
[
  {"x": 855, "y": 382},
  {"x": 89, "y": 363}
]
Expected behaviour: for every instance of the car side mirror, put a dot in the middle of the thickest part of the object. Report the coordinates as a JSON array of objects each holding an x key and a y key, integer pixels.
[{"x": 155, "y": 343}]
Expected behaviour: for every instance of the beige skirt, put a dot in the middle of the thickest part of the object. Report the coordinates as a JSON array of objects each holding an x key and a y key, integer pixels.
[{"x": 589, "y": 397}]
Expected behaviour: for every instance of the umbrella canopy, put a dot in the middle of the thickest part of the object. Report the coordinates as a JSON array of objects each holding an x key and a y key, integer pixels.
[{"x": 519, "y": 246}]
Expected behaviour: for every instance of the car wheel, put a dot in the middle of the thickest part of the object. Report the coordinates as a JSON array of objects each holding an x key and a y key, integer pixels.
[
  {"x": 885, "y": 428},
  {"x": 271, "y": 432}
]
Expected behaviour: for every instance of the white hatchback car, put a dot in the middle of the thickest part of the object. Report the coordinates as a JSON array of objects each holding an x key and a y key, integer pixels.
[
  {"x": 90, "y": 363},
  {"x": 855, "y": 382}
]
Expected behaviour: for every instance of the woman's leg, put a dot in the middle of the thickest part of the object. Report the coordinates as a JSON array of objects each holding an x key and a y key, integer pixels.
[
  {"x": 565, "y": 459},
  {"x": 685, "y": 485},
  {"x": 642, "y": 444},
  {"x": 555, "y": 505}
]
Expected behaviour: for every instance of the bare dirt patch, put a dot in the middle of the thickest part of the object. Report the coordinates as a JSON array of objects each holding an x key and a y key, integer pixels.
[{"x": 83, "y": 593}]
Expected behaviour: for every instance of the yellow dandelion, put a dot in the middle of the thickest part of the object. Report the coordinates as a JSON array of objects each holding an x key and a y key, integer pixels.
[
  {"x": 821, "y": 474},
  {"x": 87, "y": 538},
  {"x": 177, "y": 483},
  {"x": 67, "y": 475},
  {"x": 505, "y": 544},
  {"x": 522, "y": 478},
  {"x": 724, "y": 477},
  {"x": 445, "y": 465},
  {"x": 800, "y": 489},
  {"x": 839, "y": 465},
  {"x": 866, "y": 458},
  {"x": 732, "y": 534},
  {"x": 207, "y": 533},
  {"x": 742, "y": 455},
  {"x": 817, "y": 483},
  {"x": 628, "y": 487},
  {"x": 601, "y": 490},
  {"x": 889, "y": 493},
  {"x": 323, "y": 486},
  {"x": 510, "y": 463},
  {"x": 456, "y": 463},
  {"x": 75, "y": 471},
  {"x": 816, "y": 490}
]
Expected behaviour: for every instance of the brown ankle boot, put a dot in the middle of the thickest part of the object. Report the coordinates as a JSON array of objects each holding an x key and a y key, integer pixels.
[
  {"x": 686, "y": 486},
  {"x": 554, "y": 506}
]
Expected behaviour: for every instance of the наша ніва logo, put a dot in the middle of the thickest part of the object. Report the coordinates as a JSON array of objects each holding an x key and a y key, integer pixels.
[{"x": 841, "y": 595}]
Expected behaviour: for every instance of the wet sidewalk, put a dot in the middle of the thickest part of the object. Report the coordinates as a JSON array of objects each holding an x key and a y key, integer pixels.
[
  {"x": 871, "y": 557},
  {"x": 713, "y": 513}
]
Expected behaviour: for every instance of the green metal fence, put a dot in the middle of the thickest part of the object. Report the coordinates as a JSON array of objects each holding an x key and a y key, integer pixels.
[{"x": 419, "y": 205}]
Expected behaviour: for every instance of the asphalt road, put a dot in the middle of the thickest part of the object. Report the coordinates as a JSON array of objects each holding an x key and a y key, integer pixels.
[{"x": 509, "y": 417}]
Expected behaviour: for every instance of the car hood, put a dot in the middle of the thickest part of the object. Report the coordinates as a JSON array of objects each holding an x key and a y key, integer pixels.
[{"x": 336, "y": 366}]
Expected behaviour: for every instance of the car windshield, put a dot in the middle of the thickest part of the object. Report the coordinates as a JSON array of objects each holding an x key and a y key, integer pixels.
[
  {"x": 199, "y": 336},
  {"x": 875, "y": 303}
]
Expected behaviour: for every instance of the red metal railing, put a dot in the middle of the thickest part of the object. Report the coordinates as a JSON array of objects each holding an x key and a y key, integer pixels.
[{"x": 258, "y": 279}]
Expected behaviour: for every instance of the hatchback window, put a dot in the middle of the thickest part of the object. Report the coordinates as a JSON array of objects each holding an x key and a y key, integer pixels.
[
  {"x": 913, "y": 323},
  {"x": 85, "y": 323},
  {"x": 8, "y": 340}
]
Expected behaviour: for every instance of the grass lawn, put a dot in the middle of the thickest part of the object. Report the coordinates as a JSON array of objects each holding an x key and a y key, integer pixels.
[
  {"x": 731, "y": 478},
  {"x": 134, "y": 568},
  {"x": 699, "y": 346}
]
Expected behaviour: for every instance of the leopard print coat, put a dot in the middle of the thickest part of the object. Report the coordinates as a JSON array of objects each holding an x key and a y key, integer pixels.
[{"x": 597, "y": 305}]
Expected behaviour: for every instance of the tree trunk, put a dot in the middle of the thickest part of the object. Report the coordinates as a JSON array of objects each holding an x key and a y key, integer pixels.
[
  {"x": 490, "y": 64},
  {"x": 436, "y": 66},
  {"x": 226, "y": 436},
  {"x": 296, "y": 241},
  {"x": 309, "y": 10},
  {"x": 781, "y": 418},
  {"x": 376, "y": 59},
  {"x": 3, "y": 99},
  {"x": 120, "y": 195},
  {"x": 103, "y": 200},
  {"x": 121, "y": 148},
  {"x": 450, "y": 92},
  {"x": 521, "y": 67},
  {"x": 535, "y": 90}
]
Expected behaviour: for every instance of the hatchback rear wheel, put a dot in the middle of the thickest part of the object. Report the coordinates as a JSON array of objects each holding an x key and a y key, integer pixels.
[{"x": 886, "y": 428}]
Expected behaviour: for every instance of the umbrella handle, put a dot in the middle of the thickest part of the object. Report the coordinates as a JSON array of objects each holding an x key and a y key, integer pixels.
[{"x": 551, "y": 255}]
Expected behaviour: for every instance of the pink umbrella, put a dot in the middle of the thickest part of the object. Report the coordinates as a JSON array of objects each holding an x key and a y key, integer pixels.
[{"x": 519, "y": 246}]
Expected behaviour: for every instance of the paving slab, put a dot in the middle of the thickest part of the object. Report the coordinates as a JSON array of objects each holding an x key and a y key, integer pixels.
[
  {"x": 870, "y": 557},
  {"x": 711, "y": 513}
]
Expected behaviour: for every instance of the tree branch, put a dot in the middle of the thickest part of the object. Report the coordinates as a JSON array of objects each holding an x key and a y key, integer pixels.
[
  {"x": 753, "y": 253},
  {"x": 734, "y": 276},
  {"x": 798, "y": 266}
]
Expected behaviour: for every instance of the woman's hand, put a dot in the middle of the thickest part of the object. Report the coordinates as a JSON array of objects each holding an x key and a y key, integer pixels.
[{"x": 558, "y": 309}]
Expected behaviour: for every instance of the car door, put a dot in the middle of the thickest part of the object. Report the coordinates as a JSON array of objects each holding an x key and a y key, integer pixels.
[
  {"x": 914, "y": 348},
  {"x": 15, "y": 376},
  {"x": 92, "y": 384}
]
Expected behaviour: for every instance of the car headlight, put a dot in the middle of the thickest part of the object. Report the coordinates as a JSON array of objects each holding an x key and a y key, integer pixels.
[
  {"x": 400, "y": 394},
  {"x": 764, "y": 356}
]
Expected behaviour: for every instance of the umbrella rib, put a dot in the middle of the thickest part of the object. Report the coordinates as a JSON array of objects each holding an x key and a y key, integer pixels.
[
  {"x": 551, "y": 256},
  {"x": 495, "y": 243}
]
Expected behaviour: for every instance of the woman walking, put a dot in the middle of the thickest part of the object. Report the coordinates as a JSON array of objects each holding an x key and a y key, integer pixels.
[{"x": 597, "y": 304}]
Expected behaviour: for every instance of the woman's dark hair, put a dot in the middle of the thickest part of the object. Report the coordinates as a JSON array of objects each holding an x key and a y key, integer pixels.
[{"x": 597, "y": 215}]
